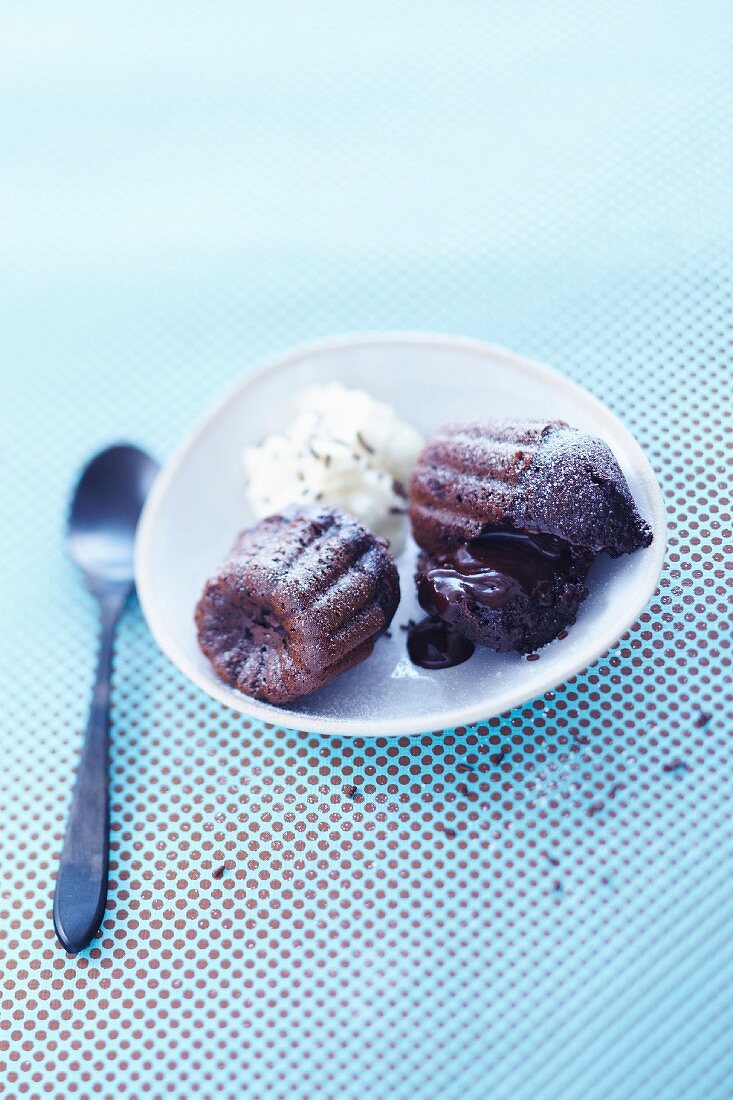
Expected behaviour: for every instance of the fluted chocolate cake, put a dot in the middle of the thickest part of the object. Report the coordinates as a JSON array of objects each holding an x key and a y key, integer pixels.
[
  {"x": 529, "y": 475},
  {"x": 301, "y": 598},
  {"x": 510, "y": 514}
]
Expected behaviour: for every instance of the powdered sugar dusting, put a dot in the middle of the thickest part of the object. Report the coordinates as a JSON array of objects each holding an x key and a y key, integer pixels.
[
  {"x": 575, "y": 489},
  {"x": 539, "y": 475},
  {"x": 300, "y": 598}
]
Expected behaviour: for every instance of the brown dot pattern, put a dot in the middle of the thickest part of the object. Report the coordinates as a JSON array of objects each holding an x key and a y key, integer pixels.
[
  {"x": 534, "y": 908},
  {"x": 285, "y": 907}
]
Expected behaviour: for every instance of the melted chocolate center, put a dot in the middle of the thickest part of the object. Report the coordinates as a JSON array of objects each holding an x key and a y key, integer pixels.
[
  {"x": 492, "y": 570},
  {"x": 434, "y": 644}
]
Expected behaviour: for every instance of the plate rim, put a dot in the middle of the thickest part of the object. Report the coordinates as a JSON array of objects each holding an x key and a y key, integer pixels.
[{"x": 470, "y": 714}]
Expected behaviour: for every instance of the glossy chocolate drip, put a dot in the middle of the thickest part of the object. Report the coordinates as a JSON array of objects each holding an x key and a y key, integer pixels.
[
  {"x": 432, "y": 644},
  {"x": 492, "y": 570}
]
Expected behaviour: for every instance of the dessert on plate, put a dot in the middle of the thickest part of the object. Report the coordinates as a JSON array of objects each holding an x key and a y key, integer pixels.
[
  {"x": 343, "y": 448},
  {"x": 301, "y": 598},
  {"x": 509, "y": 515}
]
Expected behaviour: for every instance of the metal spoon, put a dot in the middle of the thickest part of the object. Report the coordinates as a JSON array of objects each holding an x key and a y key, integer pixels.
[{"x": 104, "y": 514}]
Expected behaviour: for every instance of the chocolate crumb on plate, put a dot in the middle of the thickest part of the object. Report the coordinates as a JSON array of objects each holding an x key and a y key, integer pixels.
[
  {"x": 350, "y": 789},
  {"x": 219, "y": 873},
  {"x": 596, "y": 807},
  {"x": 702, "y": 720},
  {"x": 449, "y": 832},
  {"x": 551, "y": 859}
]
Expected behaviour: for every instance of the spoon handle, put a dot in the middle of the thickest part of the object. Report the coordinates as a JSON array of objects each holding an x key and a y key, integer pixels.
[{"x": 81, "y": 884}]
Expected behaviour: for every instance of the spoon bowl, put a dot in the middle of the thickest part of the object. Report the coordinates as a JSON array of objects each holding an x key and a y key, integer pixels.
[{"x": 105, "y": 510}]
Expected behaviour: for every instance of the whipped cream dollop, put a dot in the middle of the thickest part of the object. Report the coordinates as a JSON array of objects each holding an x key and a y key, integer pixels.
[{"x": 343, "y": 448}]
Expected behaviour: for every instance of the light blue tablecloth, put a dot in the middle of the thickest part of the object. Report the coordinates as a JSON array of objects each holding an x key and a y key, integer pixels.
[{"x": 187, "y": 187}]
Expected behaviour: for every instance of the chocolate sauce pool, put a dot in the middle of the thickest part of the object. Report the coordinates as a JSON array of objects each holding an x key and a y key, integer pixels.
[
  {"x": 491, "y": 570},
  {"x": 432, "y": 643}
]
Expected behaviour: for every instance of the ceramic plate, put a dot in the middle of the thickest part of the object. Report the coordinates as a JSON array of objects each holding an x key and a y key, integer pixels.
[{"x": 198, "y": 504}]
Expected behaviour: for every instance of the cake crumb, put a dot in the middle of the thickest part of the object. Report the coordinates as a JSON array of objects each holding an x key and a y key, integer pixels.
[{"x": 676, "y": 764}]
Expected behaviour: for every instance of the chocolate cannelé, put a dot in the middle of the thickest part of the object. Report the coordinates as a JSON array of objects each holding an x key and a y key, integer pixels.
[
  {"x": 301, "y": 598},
  {"x": 509, "y": 515}
]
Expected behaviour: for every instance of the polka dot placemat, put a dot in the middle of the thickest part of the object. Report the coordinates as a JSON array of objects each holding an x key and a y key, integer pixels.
[{"x": 534, "y": 908}]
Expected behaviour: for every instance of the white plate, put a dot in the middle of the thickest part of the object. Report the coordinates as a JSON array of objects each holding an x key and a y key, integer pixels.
[{"x": 198, "y": 504}]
